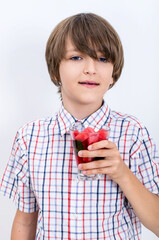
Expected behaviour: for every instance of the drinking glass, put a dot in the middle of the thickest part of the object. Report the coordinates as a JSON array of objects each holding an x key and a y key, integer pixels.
[{"x": 81, "y": 139}]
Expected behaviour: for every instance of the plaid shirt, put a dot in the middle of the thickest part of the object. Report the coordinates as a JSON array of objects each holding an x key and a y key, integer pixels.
[{"x": 41, "y": 175}]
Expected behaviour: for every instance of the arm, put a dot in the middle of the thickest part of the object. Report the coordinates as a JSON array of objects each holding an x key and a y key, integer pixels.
[
  {"x": 24, "y": 226},
  {"x": 145, "y": 203}
]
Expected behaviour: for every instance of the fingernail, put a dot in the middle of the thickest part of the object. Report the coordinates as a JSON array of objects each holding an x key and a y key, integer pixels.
[
  {"x": 89, "y": 147},
  {"x": 80, "y": 153},
  {"x": 80, "y": 166}
]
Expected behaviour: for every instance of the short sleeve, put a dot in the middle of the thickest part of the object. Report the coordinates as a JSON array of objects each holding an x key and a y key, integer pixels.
[
  {"x": 16, "y": 180},
  {"x": 145, "y": 156}
]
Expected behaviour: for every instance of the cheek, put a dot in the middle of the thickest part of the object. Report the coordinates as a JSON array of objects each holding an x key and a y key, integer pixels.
[
  {"x": 108, "y": 75},
  {"x": 62, "y": 72},
  {"x": 107, "y": 78},
  {"x": 67, "y": 74}
]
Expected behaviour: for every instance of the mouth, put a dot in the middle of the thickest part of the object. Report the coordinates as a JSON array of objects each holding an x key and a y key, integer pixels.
[{"x": 89, "y": 83}]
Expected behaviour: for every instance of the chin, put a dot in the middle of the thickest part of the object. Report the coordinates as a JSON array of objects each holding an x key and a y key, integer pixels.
[{"x": 89, "y": 101}]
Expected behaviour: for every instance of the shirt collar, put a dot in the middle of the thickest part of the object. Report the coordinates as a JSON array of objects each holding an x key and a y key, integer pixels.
[{"x": 96, "y": 120}]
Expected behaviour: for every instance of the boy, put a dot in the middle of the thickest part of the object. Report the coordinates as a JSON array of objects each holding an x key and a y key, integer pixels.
[{"x": 85, "y": 58}]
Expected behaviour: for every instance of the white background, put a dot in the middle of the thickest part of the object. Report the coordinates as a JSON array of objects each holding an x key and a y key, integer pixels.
[{"x": 26, "y": 92}]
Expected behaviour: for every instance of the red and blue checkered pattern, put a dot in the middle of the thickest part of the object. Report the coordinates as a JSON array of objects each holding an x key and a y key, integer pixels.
[{"x": 41, "y": 175}]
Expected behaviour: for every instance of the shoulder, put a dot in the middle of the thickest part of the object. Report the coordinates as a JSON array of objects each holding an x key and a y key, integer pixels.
[
  {"x": 36, "y": 128},
  {"x": 128, "y": 124},
  {"x": 125, "y": 118}
]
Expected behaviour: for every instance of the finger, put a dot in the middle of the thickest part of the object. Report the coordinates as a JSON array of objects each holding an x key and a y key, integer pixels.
[
  {"x": 97, "y": 153},
  {"x": 101, "y": 144},
  {"x": 106, "y": 170},
  {"x": 95, "y": 164}
]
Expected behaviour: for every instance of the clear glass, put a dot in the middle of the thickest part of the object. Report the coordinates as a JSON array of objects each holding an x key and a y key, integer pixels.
[{"x": 81, "y": 139}]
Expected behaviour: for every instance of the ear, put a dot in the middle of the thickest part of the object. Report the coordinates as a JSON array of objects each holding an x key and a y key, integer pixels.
[
  {"x": 111, "y": 80},
  {"x": 58, "y": 82},
  {"x": 55, "y": 78}
]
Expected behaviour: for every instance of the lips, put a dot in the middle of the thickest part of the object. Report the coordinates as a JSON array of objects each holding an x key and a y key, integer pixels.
[{"x": 91, "y": 83}]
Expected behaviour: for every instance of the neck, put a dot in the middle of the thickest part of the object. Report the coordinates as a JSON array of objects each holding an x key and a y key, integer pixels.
[{"x": 82, "y": 111}]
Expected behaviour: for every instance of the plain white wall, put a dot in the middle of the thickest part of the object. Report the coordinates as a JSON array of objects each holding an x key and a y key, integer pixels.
[{"x": 26, "y": 92}]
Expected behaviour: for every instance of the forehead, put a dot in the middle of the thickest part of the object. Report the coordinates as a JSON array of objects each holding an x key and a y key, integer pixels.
[{"x": 70, "y": 47}]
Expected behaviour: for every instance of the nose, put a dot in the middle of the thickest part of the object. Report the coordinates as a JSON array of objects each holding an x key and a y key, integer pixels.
[{"x": 89, "y": 66}]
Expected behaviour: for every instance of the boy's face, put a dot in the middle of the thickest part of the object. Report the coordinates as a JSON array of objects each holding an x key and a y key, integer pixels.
[{"x": 84, "y": 80}]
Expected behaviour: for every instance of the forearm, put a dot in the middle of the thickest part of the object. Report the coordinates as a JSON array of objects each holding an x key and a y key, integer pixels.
[
  {"x": 24, "y": 226},
  {"x": 20, "y": 232},
  {"x": 144, "y": 203}
]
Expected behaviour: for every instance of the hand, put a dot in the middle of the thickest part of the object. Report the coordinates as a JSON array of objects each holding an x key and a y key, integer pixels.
[
  {"x": 144, "y": 203},
  {"x": 112, "y": 164}
]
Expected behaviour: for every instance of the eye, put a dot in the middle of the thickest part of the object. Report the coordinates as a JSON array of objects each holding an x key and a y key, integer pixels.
[
  {"x": 102, "y": 59},
  {"x": 76, "y": 58}
]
